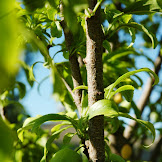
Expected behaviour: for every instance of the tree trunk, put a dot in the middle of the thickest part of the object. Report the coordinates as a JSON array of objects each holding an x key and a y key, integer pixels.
[{"x": 93, "y": 61}]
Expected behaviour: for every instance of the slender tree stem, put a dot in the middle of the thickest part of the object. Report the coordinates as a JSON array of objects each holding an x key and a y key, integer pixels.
[
  {"x": 74, "y": 65},
  {"x": 93, "y": 61}
]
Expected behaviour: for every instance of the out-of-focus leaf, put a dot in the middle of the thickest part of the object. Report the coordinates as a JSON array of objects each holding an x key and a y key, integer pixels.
[
  {"x": 52, "y": 138},
  {"x": 67, "y": 138},
  {"x": 128, "y": 95},
  {"x": 144, "y": 7},
  {"x": 103, "y": 107},
  {"x": 107, "y": 46},
  {"x": 35, "y": 122},
  {"x": 66, "y": 155},
  {"x": 7, "y": 138},
  {"x": 33, "y": 5},
  {"x": 9, "y": 29},
  {"x": 147, "y": 124},
  {"x": 138, "y": 27},
  {"x": 56, "y": 30},
  {"x": 116, "y": 158},
  {"x": 22, "y": 89},
  {"x": 128, "y": 74}
]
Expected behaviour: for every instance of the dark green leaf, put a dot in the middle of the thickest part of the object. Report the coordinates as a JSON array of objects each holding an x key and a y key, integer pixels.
[
  {"x": 22, "y": 89},
  {"x": 138, "y": 27},
  {"x": 116, "y": 158},
  {"x": 33, "y": 5},
  {"x": 144, "y": 7},
  {"x": 128, "y": 95},
  {"x": 56, "y": 30},
  {"x": 107, "y": 46},
  {"x": 66, "y": 155},
  {"x": 67, "y": 138}
]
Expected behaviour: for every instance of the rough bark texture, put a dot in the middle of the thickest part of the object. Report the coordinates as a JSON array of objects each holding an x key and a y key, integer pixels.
[
  {"x": 74, "y": 65},
  {"x": 93, "y": 61}
]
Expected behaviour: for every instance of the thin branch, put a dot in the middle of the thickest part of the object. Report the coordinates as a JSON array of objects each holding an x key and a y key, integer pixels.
[
  {"x": 74, "y": 64},
  {"x": 93, "y": 62}
]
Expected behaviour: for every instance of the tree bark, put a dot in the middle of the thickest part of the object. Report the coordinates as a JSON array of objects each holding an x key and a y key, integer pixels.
[
  {"x": 74, "y": 65},
  {"x": 93, "y": 61}
]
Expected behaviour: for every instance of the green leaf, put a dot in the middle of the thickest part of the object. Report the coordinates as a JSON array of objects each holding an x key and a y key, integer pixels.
[
  {"x": 7, "y": 138},
  {"x": 138, "y": 27},
  {"x": 35, "y": 122},
  {"x": 81, "y": 87},
  {"x": 52, "y": 138},
  {"x": 116, "y": 158},
  {"x": 67, "y": 138},
  {"x": 103, "y": 107},
  {"x": 40, "y": 83},
  {"x": 33, "y": 5},
  {"x": 120, "y": 89},
  {"x": 54, "y": 3},
  {"x": 56, "y": 30},
  {"x": 144, "y": 7},
  {"x": 147, "y": 124},
  {"x": 128, "y": 95},
  {"x": 22, "y": 89},
  {"x": 128, "y": 74},
  {"x": 133, "y": 35},
  {"x": 66, "y": 155},
  {"x": 107, "y": 46}
]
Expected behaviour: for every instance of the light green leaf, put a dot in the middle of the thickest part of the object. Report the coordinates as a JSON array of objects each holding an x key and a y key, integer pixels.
[
  {"x": 81, "y": 87},
  {"x": 147, "y": 124},
  {"x": 128, "y": 74},
  {"x": 103, "y": 107},
  {"x": 120, "y": 89}
]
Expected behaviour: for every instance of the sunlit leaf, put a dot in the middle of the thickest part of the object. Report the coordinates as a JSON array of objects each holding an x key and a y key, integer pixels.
[
  {"x": 81, "y": 87},
  {"x": 103, "y": 107},
  {"x": 120, "y": 89}
]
